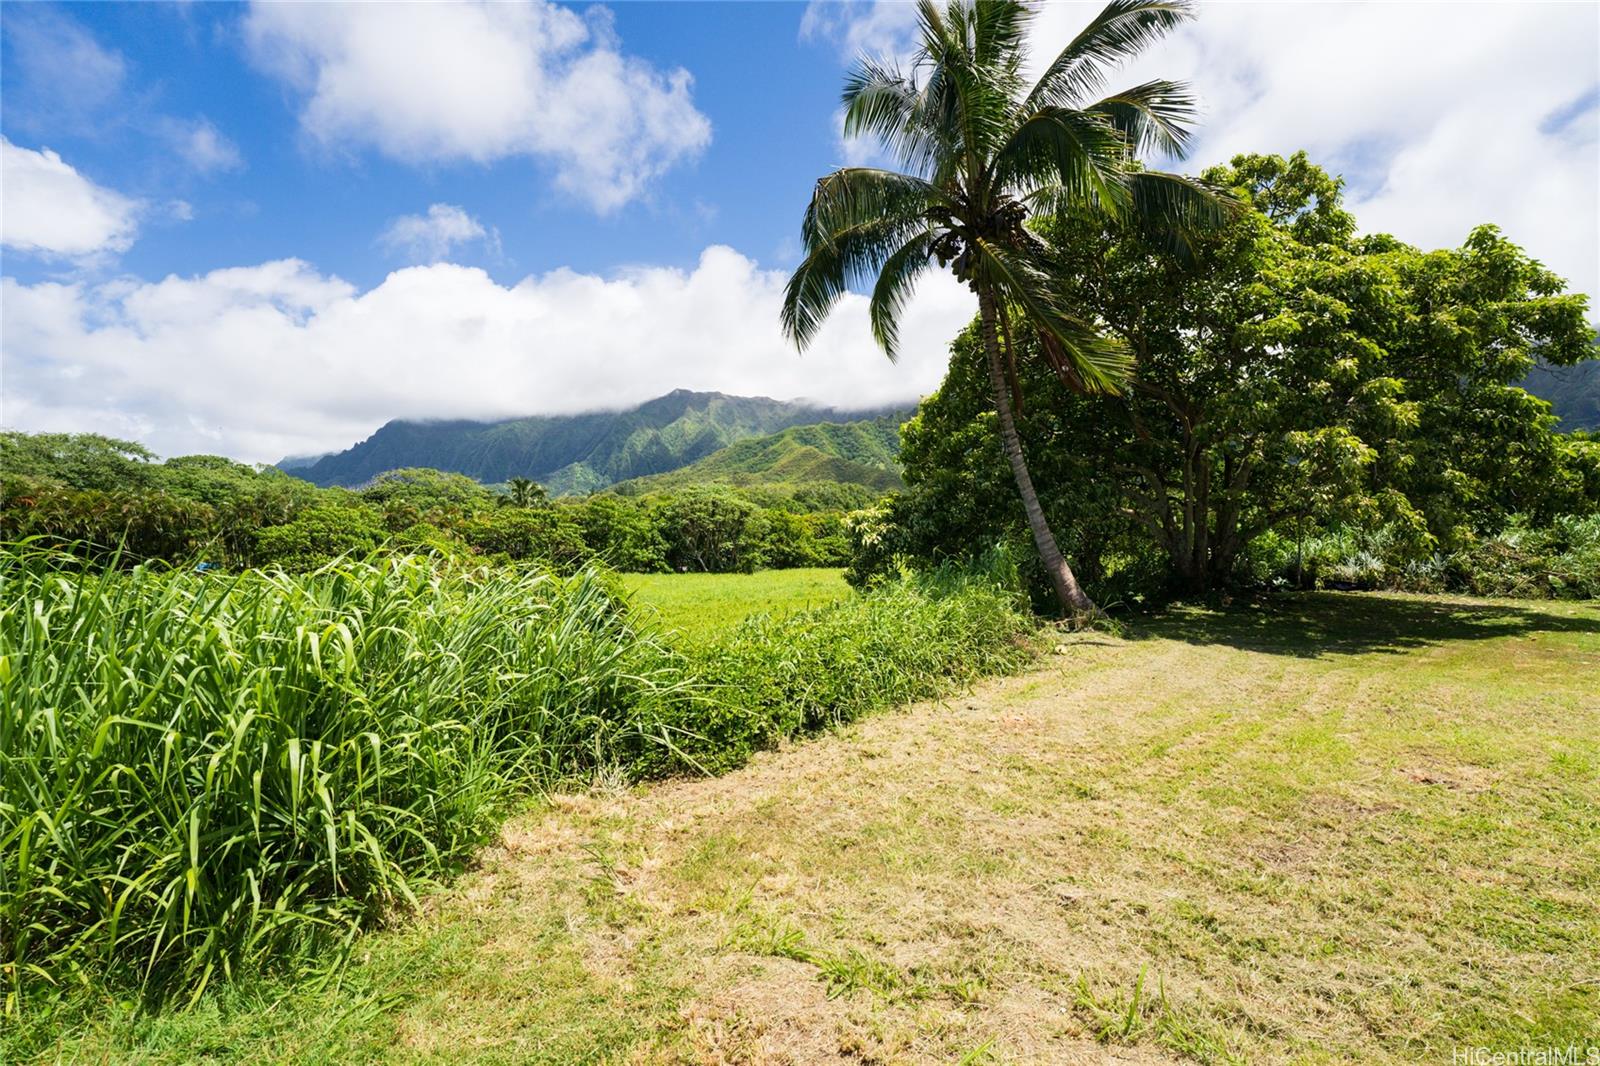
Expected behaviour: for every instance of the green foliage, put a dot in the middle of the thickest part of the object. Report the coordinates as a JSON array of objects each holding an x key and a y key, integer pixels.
[
  {"x": 1290, "y": 378},
  {"x": 236, "y": 516},
  {"x": 317, "y": 536},
  {"x": 877, "y": 543},
  {"x": 623, "y": 534},
  {"x": 197, "y": 773},
  {"x": 710, "y": 530},
  {"x": 778, "y": 677},
  {"x": 77, "y": 460},
  {"x": 109, "y": 496},
  {"x": 545, "y": 535},
  {"x": 203, "y": 775},
  {"x": 525, "y": 492},
  {"x": 784, "y": 540},
  {"x": 426, "y": 489},
  {"x": 979, "y": 151},
  {"x": 101, "y": 524},
  {"x": 1558, "y": 560}
]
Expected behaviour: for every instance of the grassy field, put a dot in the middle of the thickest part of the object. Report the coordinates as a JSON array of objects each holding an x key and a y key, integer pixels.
[
  {"x": 703, "y": 605},
  {"x": 1341, "y": 827}
]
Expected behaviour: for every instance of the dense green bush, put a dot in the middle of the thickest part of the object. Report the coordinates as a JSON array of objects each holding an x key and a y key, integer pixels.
[
  {"x": 1560, "y": 560},
  {"x": 539, "y": 534},
  {"x": 100, "y": 524},
  {"x": 317, "y": 536},
  {"x": 623, "y": 533},
  {"x": 708, "y": 529}
]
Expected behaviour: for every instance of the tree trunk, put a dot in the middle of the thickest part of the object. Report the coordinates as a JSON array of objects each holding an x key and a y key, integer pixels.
[{"x": 1066, "y": 586}]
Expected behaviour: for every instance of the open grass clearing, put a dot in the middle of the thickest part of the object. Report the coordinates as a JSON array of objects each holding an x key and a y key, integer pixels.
[
  {"x": 702, "y": 606},
  {"x": 1334, "y": 828}
]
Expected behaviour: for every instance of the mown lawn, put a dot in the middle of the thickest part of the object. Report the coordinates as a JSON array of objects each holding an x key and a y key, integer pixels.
[
  {"x": 701, "y": 606},
  {"x": 1332, "y": 829}
]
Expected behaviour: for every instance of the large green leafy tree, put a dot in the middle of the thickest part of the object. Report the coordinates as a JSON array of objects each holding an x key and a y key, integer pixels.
[
  {"x": 1289, "y": 372},
  {"x": 980, "y": 151}
]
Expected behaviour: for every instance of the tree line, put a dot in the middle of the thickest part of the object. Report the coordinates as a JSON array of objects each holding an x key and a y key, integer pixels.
[{"x": 110, "y": 498}]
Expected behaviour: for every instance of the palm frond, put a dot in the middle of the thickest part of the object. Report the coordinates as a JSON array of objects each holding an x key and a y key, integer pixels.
[
  {"x": 1155, "y": 116},
  {"x": 885, "y": 104},
  {"x": 1123, "y": 29},
  {"x": 852, "y": 197},
  {"x": 1079, "y": 153},
  {"x": 1175, "y": 209},
  {"x": 896, "y": 280},
  {"x": 853, "y": 255},
  {"x": 1081, "y": 355},
  {"x": 999, "y": 32}
]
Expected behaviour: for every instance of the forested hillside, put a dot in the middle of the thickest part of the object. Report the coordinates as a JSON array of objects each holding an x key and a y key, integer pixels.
[
  {"x": 1572, "y": 391},
  {"x": 571, "y": 453},
  {"x": 851, "y": 453}
]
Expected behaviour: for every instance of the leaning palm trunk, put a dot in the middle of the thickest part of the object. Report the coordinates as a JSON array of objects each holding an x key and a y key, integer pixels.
[
  {"x": 981, "y": 152},
  {"x": 1062, "y": 579}
]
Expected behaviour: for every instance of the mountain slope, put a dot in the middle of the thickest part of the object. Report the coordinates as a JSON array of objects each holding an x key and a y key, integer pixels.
[
  {"x": 572, "y": 453},
  {"x": 1572, "y": 391},
  {"x": 855, "y": 453}
]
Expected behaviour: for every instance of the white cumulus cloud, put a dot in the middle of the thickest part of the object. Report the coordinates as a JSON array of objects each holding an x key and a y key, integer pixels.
[
  {"x": 1440, "y": 116},
  {"x": 271, "y": 360},
  {"x": 482, "y": 82},
  {"x": 48, "y": 208},
  {"x": 431, "y": 237}
]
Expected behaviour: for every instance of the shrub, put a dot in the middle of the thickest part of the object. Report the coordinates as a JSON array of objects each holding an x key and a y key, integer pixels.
[
  {"x": 876, "y": 540},
  {"x": 316, "y": 537},
  {"x": 1560, "y": 559},
  {"x": 622, "y": 533},
  {"x": 99, "y": 525}
]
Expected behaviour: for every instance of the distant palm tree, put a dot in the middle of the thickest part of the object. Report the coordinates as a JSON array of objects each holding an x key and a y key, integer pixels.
[
  {"x": 526, "y": 492},
  {"x": 981, "y": 151}
]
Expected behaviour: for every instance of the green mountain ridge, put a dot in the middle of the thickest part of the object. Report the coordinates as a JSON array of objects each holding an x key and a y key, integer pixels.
[
  {"x": 1573, "y": 392},
  {"x": 856, "y": 453},
  {"x": 571, "y": 454}
]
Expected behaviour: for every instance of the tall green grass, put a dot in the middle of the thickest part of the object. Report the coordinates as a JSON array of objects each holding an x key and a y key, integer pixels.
[
  {"x": 206, "y": 774},
  {"x": 198, "y": 773},
  {"x": 781, "y": 676}
]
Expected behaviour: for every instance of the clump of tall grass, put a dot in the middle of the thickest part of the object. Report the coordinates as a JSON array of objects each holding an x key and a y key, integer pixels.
[
  {"x": 201, "y": 772},
  {"x": 908, "y": 639}
]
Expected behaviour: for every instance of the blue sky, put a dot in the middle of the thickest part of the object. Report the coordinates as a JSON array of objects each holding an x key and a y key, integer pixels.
[
  {"x": 264, "y": 230},
  {"x": 768, "y": 96}
]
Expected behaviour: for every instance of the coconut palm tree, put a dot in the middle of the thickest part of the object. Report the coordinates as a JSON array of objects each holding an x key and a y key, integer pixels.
[
  {"x": 980, "y": 151},
  {"x": 525, "y": 492}
]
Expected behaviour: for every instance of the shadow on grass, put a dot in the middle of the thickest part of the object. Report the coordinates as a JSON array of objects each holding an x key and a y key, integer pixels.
[{"x": 1315, "y": 624}]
